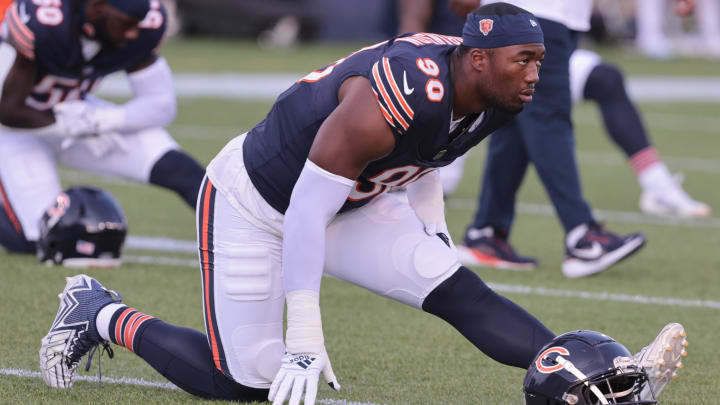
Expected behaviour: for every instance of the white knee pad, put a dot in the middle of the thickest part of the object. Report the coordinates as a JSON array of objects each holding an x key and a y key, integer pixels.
[
  {"x": 432, "y": 259},
  {"x": 424, "y": 262},
  {"x": 258, "y": 351},
  {"x": 247, "y": 276}
]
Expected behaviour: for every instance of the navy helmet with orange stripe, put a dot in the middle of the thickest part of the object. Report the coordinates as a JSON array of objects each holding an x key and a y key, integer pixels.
[
  {"x": 84, "y": 227},
  {"x": 585, "y": 368}
]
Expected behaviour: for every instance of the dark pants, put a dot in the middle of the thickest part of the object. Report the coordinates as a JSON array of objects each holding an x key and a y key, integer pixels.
[{"x": 541, "y": 134}]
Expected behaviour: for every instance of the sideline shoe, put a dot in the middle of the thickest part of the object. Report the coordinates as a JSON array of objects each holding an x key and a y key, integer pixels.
[
  {"x": 73, "y": 333},
  {"x": 661, "y": 359},
  {"x": 591, "y": 249},
  {"x": 488, "y": 248},
  {"x": 672, "y": 201}
]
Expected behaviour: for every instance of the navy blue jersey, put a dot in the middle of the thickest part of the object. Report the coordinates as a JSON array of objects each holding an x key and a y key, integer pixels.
[
  {"x": 69, "y": 62},
  {"x": 410, "y": 76}
]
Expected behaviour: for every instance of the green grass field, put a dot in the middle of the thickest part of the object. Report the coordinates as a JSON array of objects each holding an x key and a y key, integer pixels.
[{"x": 382, "y": 351}]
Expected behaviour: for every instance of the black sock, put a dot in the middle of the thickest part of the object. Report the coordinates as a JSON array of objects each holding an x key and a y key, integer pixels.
[
  {"x": 181, "y": 355},
  {"x": 497, "y": 326},
  {"x": 179, "y": 172}
]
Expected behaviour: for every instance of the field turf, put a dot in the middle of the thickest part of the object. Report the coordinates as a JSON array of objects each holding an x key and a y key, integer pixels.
[{"x": 384, "y": 352}]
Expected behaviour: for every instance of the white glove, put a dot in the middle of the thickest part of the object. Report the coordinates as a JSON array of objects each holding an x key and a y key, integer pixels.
[
  {"x": 73, "y": 118},
  {"x": 101, "y": 145},
  {"x": 297, "y": 371},
  {"x": 81, "y": 118}
]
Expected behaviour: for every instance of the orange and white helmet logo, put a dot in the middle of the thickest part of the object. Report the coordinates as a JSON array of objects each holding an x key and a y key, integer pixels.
[
  {"x": 545, "y": 355},
  {"x": 486, "y": 25}
]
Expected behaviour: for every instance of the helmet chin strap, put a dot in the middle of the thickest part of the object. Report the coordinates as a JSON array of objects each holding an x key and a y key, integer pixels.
[{"x": 567, "y": 365}]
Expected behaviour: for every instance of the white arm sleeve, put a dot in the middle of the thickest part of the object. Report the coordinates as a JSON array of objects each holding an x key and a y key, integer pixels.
[
  {"x": 317, "y": 196},
  {"x": 154, "y": 104}
]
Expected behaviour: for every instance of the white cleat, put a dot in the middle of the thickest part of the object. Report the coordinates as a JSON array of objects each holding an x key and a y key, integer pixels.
[
  {"x": 73, "y": 332},
  {"x": 661, "y": 359},
  {"x": 673, "y": 201}
]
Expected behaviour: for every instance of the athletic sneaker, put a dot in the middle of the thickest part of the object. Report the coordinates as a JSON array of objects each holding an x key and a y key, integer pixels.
[
  {"x": 487, "y": 247},
  {"x": 661, "y": 359},
  {"x": 672, "y": 201},
  {"x": 73, "y": 333},
  {"x": 591, "y": 249}
]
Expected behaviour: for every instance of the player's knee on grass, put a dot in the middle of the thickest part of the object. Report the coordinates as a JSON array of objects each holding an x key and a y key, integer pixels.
[
  {"x": 605, "y": 82},
  {"x": 183, "y": 356},
  {"x": 178, "y": 171},
  {"x": 497, "y": 326}
]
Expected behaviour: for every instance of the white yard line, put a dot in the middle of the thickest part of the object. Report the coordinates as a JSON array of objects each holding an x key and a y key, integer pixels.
[
  {"x": 124, "y": 380},
  {"x": 603, "y": 296},
  {"x": 144, "y": 383},
  {"x": 161, "y": 244},
  {"x": 507, "y": 288},
  {"x": 259, "y": 86},
  {"x": 616, "y": 216}
]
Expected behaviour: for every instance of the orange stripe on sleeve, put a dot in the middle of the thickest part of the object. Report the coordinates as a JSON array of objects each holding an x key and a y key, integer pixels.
[
  {"x": 384, "y": 112},
  {"x": 15, "y": 17},
  {"x": 386, "y": 98},
  {"x": 396, "y": 90}
]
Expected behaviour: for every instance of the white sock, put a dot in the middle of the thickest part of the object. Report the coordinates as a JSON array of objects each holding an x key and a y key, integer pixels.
[
  {"x": 102, "y": 322},
  {"x": 656, "y": 177}
]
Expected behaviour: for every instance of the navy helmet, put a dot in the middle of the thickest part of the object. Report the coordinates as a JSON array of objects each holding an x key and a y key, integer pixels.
[
  {"x": 585, "y": 368},
  {"x": 83, "y": 227}
]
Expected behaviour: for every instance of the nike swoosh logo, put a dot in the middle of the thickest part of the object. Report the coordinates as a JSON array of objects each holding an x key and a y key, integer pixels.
[
  {"x": 590, "y": 253},
  {"x": 408, "y": 91},
  {"x": 24, "y": 17}
]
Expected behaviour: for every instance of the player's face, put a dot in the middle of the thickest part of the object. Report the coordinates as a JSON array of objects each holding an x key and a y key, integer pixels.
[
  {"x": 117, "y": 28},
  {"x": 513, "y": 73}
]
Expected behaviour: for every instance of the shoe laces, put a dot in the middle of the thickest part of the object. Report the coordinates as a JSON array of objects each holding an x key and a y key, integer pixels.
[{"x": 105, "y": 348}]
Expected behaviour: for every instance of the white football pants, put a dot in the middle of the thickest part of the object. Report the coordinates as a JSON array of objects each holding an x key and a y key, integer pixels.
[{"x": 381, "y": 247}]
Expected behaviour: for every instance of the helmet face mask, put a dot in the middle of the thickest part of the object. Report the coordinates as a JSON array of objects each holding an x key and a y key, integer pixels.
[
  {"x": 84, "y": 227},
  {"x": 584, "y": 368}
]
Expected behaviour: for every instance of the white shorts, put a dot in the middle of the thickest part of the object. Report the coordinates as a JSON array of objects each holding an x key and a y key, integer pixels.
[{"x": 381, "y": 247}]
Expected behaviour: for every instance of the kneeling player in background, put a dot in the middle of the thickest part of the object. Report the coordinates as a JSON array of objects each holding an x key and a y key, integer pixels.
[
  {"x": 49, "y": 117},
  {"x": 304, "y": 193}
]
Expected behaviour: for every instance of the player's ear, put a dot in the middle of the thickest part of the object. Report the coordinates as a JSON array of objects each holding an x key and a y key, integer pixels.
[{"x": 479, "y": 59}]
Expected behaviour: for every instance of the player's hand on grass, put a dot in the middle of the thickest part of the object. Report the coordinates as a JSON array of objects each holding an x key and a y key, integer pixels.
[{"x": 298, "y": 374}]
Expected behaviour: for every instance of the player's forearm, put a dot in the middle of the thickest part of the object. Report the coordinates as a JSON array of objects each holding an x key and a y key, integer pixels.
[
  {"x": 23, "y": 117},
  {"x": 154, "y": 104},
  {"x": 317, "y": 196}
]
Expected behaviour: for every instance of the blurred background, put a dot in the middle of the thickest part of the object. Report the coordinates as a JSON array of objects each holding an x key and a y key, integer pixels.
[
  {"x": 231, "y": 58},
  {"x": 648, "y": 24}
]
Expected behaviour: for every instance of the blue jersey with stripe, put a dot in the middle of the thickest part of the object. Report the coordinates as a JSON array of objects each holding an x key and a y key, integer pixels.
[
  {"x": 410, "y": 76},
  {"x": 69, "y": 63}
]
